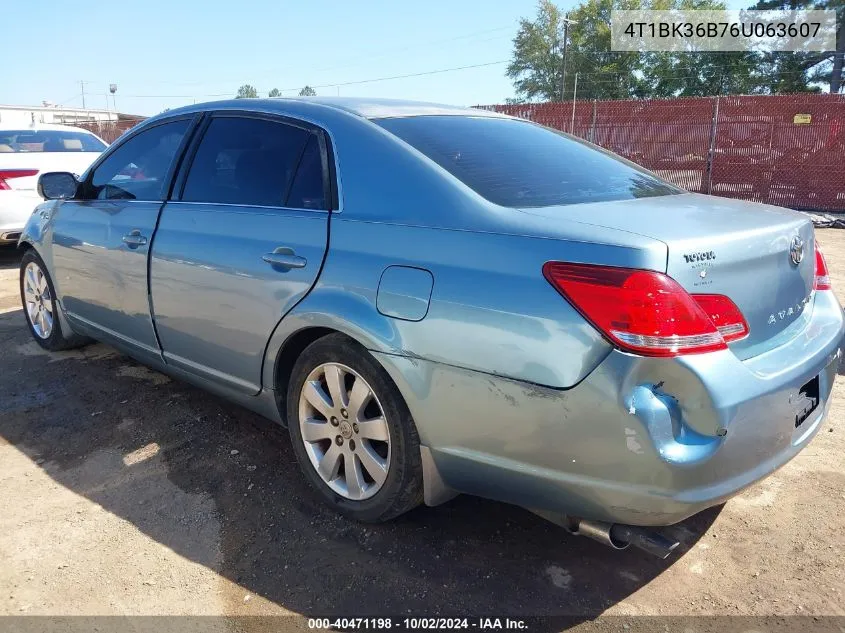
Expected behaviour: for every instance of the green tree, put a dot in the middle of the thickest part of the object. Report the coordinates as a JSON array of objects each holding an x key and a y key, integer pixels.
[
  {"x": 804, "y": 72},
  {"x": 701, "y": 74},
  {"x": 275, "y": 92},
  {"x": 602, "y": 73},
  {"x": 537, "y": 54},
  {"x": 307, "y": 91},
  {"x": 537, "y": 65},
  {"x": 246, "y": 92}
]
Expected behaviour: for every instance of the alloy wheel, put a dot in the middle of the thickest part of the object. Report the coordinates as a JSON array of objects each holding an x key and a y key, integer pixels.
[
  {"x": 345, "y": 431},
  {"x": 38, "y": 301}
]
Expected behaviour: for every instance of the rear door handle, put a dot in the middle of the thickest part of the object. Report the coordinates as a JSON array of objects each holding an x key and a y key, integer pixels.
[
  {"x": 134, "y": 239},
  {"x": 284, "y": 258}
]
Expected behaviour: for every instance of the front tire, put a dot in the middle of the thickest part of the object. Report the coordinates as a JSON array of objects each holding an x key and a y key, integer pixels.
[
  {"x": 41, "y": 310},
  {"x": 352, "y": 433}
]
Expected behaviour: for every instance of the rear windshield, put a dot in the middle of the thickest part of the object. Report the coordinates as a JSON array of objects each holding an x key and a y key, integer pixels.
[
  {"x": 519, "y": 164},
  {"x": 49, "y": 141}
]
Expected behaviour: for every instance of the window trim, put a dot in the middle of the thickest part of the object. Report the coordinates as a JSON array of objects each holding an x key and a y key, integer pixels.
[
  {"x": 289, "y": 188},
  {"x": 86, "y": 185},
  {"x": 178, "y": 185},
  {"x": 324, "y": 172}
]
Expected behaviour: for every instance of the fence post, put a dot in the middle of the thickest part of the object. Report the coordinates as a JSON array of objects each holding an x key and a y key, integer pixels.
[
  {"x": 592, "y": 134},
  {"x": 711, "y": 154}
]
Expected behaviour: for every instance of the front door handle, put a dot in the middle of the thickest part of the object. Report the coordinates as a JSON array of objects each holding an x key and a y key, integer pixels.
[
  {"x": 284, "y": 258},
  {"x": 134, "y": 239}
]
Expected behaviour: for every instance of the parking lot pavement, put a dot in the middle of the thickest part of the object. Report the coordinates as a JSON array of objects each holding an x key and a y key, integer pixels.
[{"x": 124, "y": 492}]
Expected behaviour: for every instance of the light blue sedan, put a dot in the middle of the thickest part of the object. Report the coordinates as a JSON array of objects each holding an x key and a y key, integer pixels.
[{"x": 440, "y": 300}]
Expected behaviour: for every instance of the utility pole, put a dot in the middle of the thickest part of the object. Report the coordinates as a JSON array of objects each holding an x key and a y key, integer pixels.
[
  {"x": 566, "y": 23},
  {"x": 836, "y": 77},
  {"x": 82, "y": 85},
  {"x": 574, "y": 94}
]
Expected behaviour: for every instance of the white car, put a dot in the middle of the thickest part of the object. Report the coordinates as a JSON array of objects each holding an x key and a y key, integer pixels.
[{"x": 26, "y": 152}]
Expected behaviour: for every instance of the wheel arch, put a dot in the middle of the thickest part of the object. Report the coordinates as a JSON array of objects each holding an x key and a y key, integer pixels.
[
  {"x": 435, "y": 490},
  {"x": 70, "y": 338},
  {"x": 324, "y": 311},
  {"x": 287, "y": 346},
  {"x": 318, "y": 316},
  {"x": 286, "y": 358}
]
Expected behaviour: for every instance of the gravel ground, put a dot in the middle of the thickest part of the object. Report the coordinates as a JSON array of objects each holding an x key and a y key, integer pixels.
[{"x": 123, "y": 492}]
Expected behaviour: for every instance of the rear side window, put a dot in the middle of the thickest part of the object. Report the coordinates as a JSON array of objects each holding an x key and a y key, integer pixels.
[
  {"x": 519, "y": 164},
  {"x": 245, "y": 161},
  {"x": 40, "y": 141},
  {"x": 308, "y": 189}
]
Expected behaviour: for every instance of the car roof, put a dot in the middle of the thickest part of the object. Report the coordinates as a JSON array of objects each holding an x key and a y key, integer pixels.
[
  {"x": 369, "y": 108},
  {"x": 378, "y": 108},
  {"x": 42, "y": 127}
]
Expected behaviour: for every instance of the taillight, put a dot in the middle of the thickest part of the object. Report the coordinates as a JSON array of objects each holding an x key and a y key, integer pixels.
[
  {"x": 8, "y": 174},
  {"x": 822, "y": 280},
  {"x": 724, "y": 314},
  {"x": 647, "y": 312}
]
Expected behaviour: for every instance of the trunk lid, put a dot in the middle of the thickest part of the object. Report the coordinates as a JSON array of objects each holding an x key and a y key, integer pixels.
[{"x": 722, "y": 246}]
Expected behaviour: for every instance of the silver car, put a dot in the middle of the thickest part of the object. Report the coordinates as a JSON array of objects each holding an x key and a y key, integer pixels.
[{"x": 440, "y": 300}]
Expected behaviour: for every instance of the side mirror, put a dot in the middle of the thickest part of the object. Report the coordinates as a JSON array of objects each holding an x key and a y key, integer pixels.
[{"x": 57, "y": 185}]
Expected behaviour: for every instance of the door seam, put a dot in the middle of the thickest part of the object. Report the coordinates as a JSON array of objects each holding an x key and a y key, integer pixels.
[{"x": 150, "y": 282}]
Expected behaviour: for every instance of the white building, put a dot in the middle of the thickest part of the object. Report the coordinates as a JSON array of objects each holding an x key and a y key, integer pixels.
[{"x": 51, "y": 113}]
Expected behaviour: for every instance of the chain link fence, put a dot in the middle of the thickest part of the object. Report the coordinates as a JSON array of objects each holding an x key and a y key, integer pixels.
[
  {"x": 109, "y": 131},
  {"x": 787, "y": 150}
]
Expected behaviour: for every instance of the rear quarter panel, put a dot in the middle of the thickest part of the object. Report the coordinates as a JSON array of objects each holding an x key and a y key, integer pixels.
[{"x": 490, "y": 308}]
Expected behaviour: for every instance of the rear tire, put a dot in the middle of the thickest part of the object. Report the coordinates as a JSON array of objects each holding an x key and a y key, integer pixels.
[
  {"x": 352, "y": 432},
  {"x": 41, "y": 310}
]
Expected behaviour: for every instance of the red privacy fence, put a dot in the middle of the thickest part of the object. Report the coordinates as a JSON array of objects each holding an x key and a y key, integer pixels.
[{"x": 787, "y": 150}]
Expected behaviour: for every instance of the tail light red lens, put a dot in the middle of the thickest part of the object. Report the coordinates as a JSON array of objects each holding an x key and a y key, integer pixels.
[
  {"x": 724, "y": 314},
  {"x": 647, "y": 312},
  {"x": 822, "y": 280},
  {"x": 8, "y": 174}
]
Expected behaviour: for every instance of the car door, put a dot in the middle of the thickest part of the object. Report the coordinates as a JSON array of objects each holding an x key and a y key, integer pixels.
[
  {"x": 242, "y": 242},
  {"x": 101, "y": 238}
]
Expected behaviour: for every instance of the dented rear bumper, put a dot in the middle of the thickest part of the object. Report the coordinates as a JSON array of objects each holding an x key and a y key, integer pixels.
[{"x": 642, "y": 441}]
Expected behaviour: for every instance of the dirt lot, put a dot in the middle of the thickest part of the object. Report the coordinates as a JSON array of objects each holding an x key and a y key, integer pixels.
[{"x": 123, "y": 492}]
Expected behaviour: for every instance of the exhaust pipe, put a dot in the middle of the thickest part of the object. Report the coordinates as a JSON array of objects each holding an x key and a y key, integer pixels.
[
  {"x": 647, "y": 540},
  {"x": 598, "y": 531},
  {"x": 619, "y": 536},
  {"x": 615, "y": 535}
]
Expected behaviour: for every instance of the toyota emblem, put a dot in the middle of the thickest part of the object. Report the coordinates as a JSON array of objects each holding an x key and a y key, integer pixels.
[{"x": 796, "y": 250}]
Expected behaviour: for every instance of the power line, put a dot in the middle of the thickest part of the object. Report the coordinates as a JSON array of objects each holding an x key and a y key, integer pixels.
[
  {"x": 353, "y": 62},
  {"x": 720, "y": 69},
  {"x": 68, "y": 100},
  {"x": 338, "y": 85},
  {"x": 429, "y": 72},
  {"x": 420, "y": 45}
]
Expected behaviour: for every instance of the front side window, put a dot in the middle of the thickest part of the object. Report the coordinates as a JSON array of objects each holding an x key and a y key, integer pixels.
[
  {"x": 519, "y": 164},
  {"x": 41, "y": 141},
  {"x": 246, "y": 161},
  {"x": 138, "y": 168}
]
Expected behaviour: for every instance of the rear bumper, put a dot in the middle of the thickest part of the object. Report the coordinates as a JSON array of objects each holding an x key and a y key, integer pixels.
[
  {"x": 15, "y": 208},
  {"x": 639, "y": 441}
]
